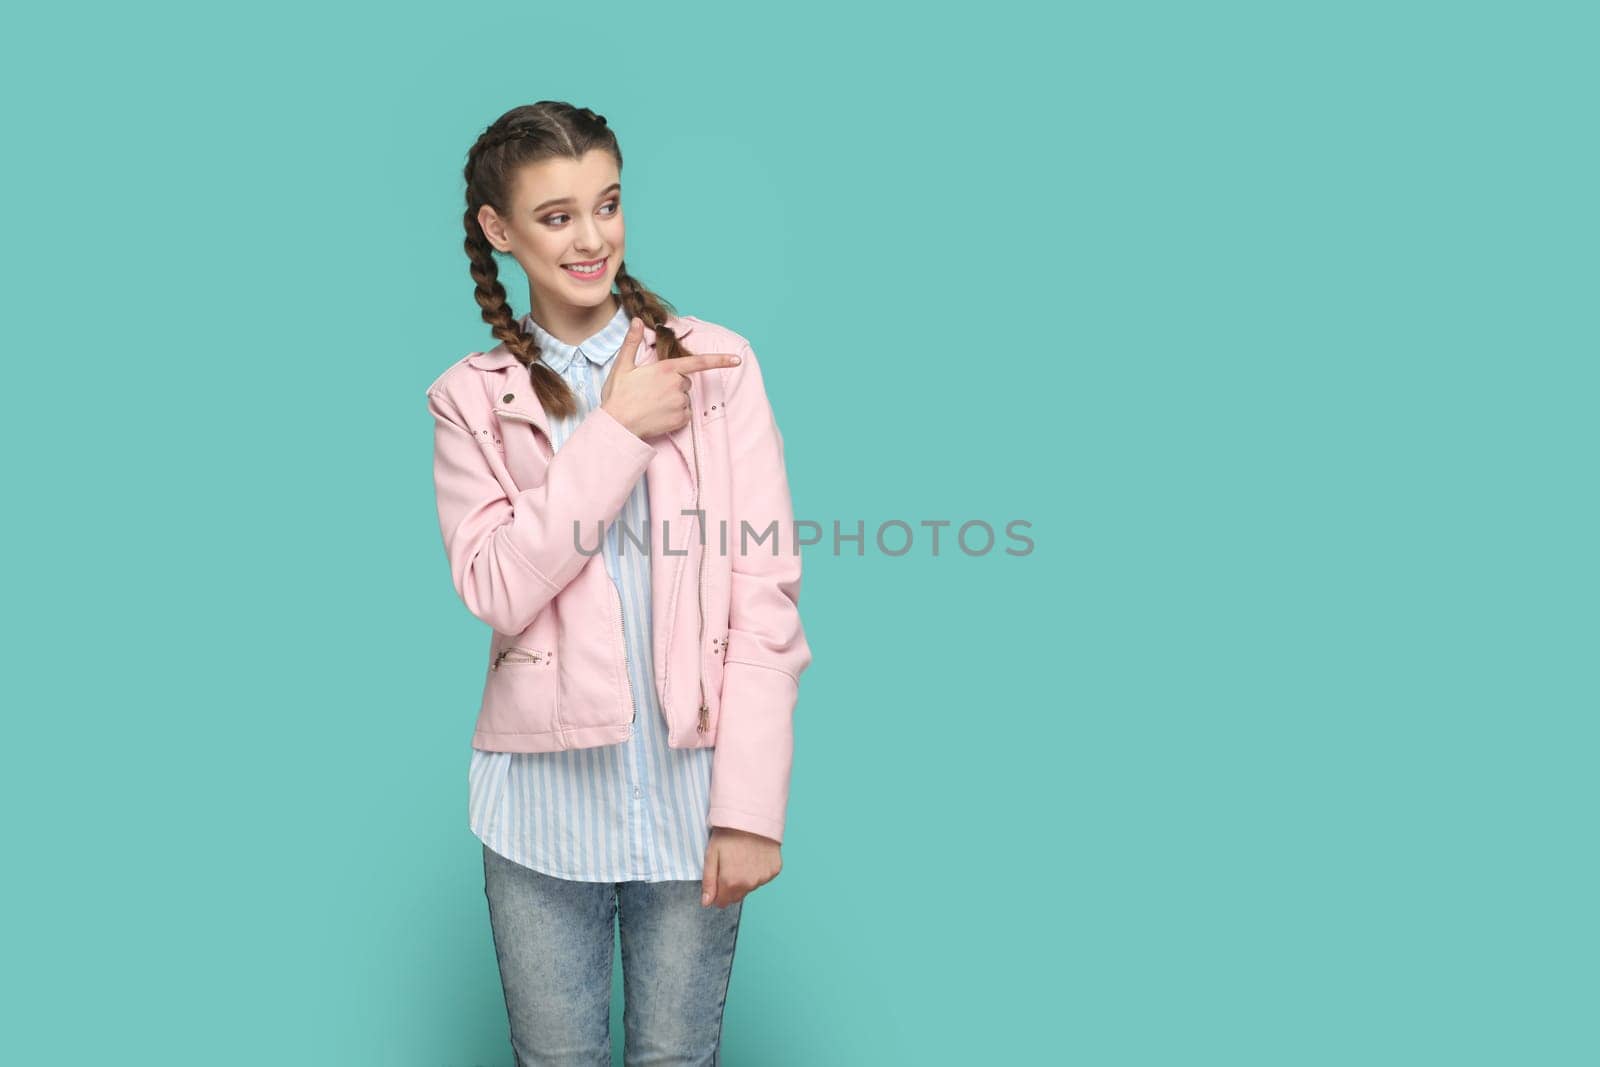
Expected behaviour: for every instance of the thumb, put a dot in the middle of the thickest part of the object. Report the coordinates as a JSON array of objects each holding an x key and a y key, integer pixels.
[
  {"x": 630, "y": 348},
  {"x": 708, "y": 883}
]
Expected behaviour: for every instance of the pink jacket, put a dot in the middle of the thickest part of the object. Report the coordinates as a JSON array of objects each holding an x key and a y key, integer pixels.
[{"x": 729, "y": 647}]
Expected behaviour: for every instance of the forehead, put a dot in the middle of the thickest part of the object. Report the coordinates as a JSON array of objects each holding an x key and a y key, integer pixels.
[{"x": 581, "y": 179}]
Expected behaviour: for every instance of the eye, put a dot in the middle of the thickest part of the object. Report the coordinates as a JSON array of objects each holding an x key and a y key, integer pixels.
[{"x": 559, "y": 217}]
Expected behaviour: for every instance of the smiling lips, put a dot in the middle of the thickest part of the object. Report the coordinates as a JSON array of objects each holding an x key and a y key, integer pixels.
[{"x": 595, "y": 268}]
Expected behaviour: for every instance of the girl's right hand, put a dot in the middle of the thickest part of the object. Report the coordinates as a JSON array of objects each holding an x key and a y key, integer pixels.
[{"x": 653, "y": 399}]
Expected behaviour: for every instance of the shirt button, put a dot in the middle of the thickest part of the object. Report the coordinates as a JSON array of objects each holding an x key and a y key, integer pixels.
[{"x": 638, "y": 792}]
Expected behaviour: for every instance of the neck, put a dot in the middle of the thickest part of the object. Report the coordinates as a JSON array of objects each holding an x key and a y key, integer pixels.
[{"x": 571, "y": 324}]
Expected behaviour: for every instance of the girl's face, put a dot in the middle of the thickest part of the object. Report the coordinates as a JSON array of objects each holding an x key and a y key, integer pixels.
[{"x": 565, "y": 213}]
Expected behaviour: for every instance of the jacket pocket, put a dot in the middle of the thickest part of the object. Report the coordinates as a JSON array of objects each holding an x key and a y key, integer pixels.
[
  {"x": 520, "y": 695},
  {"x": 514, "y": 655}
]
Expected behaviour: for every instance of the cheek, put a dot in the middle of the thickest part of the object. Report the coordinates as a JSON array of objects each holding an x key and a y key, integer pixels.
[{"x": 548, "y": 247}]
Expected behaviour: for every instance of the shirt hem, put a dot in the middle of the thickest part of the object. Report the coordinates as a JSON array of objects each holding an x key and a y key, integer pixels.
[{"x": 549, "y": 870}]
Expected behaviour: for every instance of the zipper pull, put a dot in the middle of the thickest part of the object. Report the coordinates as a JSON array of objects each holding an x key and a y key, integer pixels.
[{"x": 705, "y": 718}]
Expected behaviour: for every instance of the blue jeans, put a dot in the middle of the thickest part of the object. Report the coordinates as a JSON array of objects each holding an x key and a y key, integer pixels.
[{"x": 553, "y": 940}]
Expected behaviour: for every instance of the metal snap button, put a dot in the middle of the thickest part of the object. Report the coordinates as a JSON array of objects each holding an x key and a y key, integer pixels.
[{"x": 509, "y": 397}]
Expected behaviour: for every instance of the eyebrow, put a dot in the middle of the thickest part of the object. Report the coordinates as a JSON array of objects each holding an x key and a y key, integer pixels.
[{"x": 607, "y": 191}]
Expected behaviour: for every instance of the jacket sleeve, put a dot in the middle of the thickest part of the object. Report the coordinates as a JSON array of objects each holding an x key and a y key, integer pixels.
[
  {"x": 767, "y": 649},
  {"x": 511, "y": 554}
]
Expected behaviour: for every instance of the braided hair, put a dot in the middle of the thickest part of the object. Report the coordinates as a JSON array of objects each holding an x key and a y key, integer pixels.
[{"x": 528, "y": 134}]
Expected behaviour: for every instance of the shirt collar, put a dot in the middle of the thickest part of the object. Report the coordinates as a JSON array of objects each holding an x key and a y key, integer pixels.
[{"x": 599, "y": 347}]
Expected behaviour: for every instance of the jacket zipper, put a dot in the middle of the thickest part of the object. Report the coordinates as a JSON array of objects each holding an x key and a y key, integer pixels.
[{"x": 699, "y": 652}]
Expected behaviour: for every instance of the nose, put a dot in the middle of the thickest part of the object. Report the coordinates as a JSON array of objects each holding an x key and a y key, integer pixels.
[{"x": 587, "y": 240}]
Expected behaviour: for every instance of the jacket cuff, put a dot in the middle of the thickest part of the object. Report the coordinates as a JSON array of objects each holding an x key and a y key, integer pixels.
[
  {"x": 734, "y": 819},
  {"x": 618, "y": 435},
  {"x": 753, "y": 754}
]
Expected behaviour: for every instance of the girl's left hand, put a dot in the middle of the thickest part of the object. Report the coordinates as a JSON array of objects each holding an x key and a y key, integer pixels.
[{"x": 737, "y": 861}]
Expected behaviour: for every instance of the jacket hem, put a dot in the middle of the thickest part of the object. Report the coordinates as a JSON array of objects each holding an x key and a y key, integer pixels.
[{"x": 551, "y": 740}]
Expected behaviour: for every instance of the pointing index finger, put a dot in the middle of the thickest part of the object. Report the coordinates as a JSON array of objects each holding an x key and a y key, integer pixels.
[{"x": 703, "y": 361}]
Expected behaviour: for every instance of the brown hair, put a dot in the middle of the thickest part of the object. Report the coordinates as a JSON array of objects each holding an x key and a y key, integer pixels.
[{"x": 527, "y": 134}]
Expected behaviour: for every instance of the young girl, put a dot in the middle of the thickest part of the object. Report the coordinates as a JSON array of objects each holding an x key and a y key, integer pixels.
[{"x": 614, "y": 504}]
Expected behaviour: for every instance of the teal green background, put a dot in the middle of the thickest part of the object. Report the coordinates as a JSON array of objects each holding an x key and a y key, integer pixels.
[{"x": 1277, "y": 323}]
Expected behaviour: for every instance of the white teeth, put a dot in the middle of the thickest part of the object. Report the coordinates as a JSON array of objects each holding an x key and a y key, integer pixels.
[{"x": 587, "y": 270}]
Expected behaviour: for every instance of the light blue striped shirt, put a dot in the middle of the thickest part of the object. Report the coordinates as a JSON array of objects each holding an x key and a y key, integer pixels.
[{"x": 635, "y": 811}]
